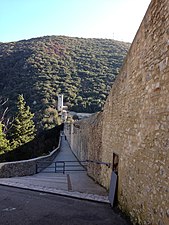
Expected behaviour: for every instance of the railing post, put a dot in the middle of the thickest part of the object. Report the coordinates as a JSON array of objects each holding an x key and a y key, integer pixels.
[
  {"x": 36, "y": 167},
  {"x": 55, "y": 167},
  {"x": 63, "y": 167}
]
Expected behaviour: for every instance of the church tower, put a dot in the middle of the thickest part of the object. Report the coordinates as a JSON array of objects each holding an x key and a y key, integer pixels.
[{"x": 60, "y": 103}]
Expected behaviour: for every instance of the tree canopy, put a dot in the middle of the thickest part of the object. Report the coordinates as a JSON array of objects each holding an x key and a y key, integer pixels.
[
  {"x": 4, "y": 143},
  {"x": 41, "y": 68},
  {"x": 23, "y": 128}
]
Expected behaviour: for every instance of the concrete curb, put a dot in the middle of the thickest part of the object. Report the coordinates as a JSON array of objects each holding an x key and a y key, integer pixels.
[{"x": 70, "y": 194}]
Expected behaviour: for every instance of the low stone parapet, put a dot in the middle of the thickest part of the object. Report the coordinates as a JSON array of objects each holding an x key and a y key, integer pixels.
[{"x": 25, "y": 167}]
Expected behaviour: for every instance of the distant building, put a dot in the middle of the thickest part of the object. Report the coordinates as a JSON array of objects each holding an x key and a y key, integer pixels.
[
  {"x": 64, "y": 116},
  {"x": 62, "y": 110},
  {"x": 60, "y": 104}
]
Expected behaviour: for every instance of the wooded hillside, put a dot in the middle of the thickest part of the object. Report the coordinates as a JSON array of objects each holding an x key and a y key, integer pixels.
[{"x": 40, "y": 68}]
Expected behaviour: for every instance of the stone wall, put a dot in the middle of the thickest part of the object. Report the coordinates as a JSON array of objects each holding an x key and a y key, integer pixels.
[
  {"x": 85, "y": 139},
  {"x": 135, "y": 124},
  {"x": 25, "y": 167}
]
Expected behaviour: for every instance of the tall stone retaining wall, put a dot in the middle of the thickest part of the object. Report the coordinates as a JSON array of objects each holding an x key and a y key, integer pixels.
[
  {"x": 135, "y": 124},
  {"x": 25, "y": 167}
]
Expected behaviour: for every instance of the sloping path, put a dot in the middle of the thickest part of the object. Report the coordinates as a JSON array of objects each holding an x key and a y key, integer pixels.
[
  {"x": 72, "y": 183},
  {"x": 80, "y": 181}
]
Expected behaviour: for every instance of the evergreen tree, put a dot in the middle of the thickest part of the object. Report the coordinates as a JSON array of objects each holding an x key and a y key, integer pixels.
[
  {"x": 23, "y": 128},
  {"x": 4, "y": 143}
]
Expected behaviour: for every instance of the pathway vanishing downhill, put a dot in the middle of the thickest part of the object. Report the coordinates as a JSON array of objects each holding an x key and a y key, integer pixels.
[{"x": 73, "y": 183}]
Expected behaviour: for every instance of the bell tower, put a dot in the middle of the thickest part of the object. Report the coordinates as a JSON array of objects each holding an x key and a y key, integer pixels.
[{"x": 60, "y": 103}]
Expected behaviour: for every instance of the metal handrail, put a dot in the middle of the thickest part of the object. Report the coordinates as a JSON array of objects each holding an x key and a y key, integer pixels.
[
  {"x": 99, "y": 162},
  {"x": 65, "y": 165}
]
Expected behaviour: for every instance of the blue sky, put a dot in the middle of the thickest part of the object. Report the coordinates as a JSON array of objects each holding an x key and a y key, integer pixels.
[{"x": 115, "y": 19}]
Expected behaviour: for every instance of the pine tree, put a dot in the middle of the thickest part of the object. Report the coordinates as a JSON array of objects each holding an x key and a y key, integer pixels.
[
  {"x": 4, "y": 143},
  {"x": 23, "y": 128}
]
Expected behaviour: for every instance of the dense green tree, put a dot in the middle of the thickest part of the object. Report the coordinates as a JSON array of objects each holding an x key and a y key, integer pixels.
[
  {"x": 51, "y": 118},
  {"x": 23, "y": 128},
  {"x": 4, "y": 143}
]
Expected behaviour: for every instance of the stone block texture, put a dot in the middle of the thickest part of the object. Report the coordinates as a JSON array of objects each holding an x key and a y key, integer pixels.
[
  {"x": 135, "y": 124},
  {"x": 26, "y": 167},
  {"x": 85, "y": 138}
]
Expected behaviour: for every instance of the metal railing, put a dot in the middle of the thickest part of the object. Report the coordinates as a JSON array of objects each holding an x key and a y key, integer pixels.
[
  {"x": 60, "y": 166},
  {"x": 99, "y": 162},
  {"x": 66, "y": 166}
]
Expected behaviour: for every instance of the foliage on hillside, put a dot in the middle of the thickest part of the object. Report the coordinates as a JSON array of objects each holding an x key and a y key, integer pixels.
[
  {"x": 40, "y": 68},
  {"x": 4, "y": 143},
  {"x": 43, "y": 144},
  {"x": 23, "y": 128}
]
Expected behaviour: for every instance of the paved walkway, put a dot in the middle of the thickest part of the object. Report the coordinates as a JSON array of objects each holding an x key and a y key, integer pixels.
[{"x": 73, "y": 183}]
